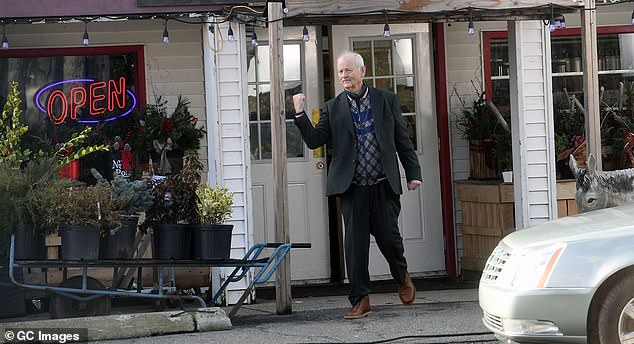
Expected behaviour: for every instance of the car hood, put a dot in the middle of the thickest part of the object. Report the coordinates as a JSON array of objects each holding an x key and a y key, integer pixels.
[{"x": 594, "y": 225}]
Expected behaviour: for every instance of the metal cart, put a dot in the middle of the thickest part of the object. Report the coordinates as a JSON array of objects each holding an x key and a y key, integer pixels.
[{"x": 84, "y": 295}]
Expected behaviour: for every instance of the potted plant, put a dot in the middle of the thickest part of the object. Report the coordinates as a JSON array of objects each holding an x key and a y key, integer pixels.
[
  {"x": 479, "y": 126},
  {"x": 81, "y": 215},
  {"x": 167, "y": 136},
  {"x": 172, "y": 210},
  {"x": 211, "y": 238},
  {"x": 129, "y": 198}
]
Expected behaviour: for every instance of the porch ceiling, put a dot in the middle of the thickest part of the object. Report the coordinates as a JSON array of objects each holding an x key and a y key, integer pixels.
[{"x": 410, "y": 11}]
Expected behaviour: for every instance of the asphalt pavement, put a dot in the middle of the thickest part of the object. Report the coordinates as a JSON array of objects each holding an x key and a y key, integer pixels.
[
  {"x": 437, "y": 316},
  {"x": 445, "y": 311}
]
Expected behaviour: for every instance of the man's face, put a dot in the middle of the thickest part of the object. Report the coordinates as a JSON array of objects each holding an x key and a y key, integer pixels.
[{"x": 350, "y": 75}]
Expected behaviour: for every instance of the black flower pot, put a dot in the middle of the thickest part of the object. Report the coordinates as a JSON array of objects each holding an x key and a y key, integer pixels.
[
  {"x": 79, "y": 242},
  {"x": 121, "y": 244},
  {"x": 211, "y": 241},
  {"x": 170, "y": 241},
  {"x": 29, "y": 242}
]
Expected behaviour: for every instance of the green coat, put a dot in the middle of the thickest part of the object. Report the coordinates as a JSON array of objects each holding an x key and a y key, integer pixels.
[{"x": 335, "y": 124}]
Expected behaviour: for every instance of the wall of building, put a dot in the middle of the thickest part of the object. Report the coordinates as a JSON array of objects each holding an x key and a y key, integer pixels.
[{"x": 465, "y": 69}]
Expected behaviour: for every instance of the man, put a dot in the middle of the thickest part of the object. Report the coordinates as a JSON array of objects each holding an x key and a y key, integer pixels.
[{"x": 366, "y": 129}]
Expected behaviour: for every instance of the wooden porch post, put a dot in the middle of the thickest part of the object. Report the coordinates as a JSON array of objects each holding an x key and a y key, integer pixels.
[
  {"x": 278, "y": 133},
  {"x": 591, "y": 80}
]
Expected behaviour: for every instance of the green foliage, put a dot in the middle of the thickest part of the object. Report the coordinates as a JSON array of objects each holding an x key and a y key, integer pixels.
[
  {"x": 11, "y": 130},
  {"x": 71, "y": 150},
  {"x": 477, "y": 121},
  {"x": 179, "y": 127},
  {"x": 75, "y": 204},
  {"x": 214, "y": 204},
  {"x": 129, "y": 197}
]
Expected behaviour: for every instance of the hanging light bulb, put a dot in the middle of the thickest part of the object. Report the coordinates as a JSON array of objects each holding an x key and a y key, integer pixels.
[
  {"x": 5, "y": 41},
  {"x": 305, "y": 36},
  {"x": 386, "y": 28},
  {"x": 471, "y": 27},
  {"x": 563, "y": 22},
  {"x": 166, "y": 35},
  {"x": 254, "y": 39},
  {"x": 230, "y": 33},
  {"x": 85, "y": 40}
]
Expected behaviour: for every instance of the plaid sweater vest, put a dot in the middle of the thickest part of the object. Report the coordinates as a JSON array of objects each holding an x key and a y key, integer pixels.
[{"x": 369, "y": 170}]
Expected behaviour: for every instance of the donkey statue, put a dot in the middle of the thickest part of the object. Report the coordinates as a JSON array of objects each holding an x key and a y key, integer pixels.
[{"x": 601, "y": 189}]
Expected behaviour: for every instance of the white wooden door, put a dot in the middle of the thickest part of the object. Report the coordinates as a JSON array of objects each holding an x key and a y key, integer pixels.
[
  {"x": 403, "y": 64},
  {"x": 306, "y": 169}
]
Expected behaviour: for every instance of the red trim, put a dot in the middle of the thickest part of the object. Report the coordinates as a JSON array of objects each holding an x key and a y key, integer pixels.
[
  {"x": 446, "y": 187},
  {"x": 86, "y": 51},
  {"x": 486, "y": 57}
]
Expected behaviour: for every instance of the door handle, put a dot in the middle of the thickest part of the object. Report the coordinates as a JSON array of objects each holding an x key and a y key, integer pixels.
[{"x": 320, "y": 165}]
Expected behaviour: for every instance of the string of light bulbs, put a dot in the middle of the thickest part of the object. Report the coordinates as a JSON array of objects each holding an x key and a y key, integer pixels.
[{"x": 238, "y": 13}]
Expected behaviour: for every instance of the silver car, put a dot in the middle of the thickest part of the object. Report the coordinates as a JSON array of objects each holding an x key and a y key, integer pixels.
[{"x": 569, "y": 280}]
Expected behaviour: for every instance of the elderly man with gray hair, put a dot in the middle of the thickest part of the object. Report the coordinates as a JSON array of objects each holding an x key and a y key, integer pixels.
[{"x": 366, "y": 130}]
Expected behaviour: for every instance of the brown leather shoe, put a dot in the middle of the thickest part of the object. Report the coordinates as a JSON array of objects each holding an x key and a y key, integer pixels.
[
  {"x": 360, "y": 310},
  {"x": 407, "y": 290}
]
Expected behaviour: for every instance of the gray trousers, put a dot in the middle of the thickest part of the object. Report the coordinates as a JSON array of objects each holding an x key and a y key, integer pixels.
[{"x": 372, "y": 210}]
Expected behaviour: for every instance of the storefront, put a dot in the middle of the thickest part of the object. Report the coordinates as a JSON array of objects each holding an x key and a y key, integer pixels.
[{"x": 126, "y": 65}]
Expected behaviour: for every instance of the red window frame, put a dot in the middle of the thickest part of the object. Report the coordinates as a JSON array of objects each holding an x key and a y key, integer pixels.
[{"x": 136, "y": 50}]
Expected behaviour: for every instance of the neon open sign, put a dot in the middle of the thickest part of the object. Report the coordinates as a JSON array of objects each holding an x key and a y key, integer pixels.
[{"x": 69, "y": 99}]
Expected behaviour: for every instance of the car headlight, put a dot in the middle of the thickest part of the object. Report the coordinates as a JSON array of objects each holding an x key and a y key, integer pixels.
[{"x": 535, "y": 267}]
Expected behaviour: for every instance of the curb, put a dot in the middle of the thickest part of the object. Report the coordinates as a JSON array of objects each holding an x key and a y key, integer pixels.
[{"x": 136, "y": 325}]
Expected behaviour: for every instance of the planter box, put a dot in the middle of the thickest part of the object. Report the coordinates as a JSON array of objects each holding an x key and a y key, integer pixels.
[{"x": 488, "y": 215}]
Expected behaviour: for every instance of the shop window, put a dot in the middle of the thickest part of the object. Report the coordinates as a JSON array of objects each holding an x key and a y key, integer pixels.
[
  {"x": 259, "y": 89},
  {"x": 390, "y": 65},
  {"x": 615, "y": 49},
  {"x": 65, "y": 90}
]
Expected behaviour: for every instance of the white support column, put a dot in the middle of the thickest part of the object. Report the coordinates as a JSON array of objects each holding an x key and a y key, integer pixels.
[
  {"x": 227, "y": 125},
  {"x": 532, "y": 123}
]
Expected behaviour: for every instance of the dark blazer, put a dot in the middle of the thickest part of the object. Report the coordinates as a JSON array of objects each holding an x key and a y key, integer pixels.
[{"x": 335, "y": 124}]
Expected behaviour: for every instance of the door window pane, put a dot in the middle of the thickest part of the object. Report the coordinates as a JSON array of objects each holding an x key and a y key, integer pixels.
[
  {"x": 364, "y": 48},
  {"x": 403, "y": 55},
  {"x": 385, "y": 83},
  {"x": 259, "y": 99},
  {"x": 252, "y": 100},
  {"x": 264, "y": 71},
  {"x": 264, "y": 94},
  {"x": 410, "y": 124},
  {"x": 383, "y": 57},
  {"x": 292, "y": 62},
  {"x": 406, "y": 94}
]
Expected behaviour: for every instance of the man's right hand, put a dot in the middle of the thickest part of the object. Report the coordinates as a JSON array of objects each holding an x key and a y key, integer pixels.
[{"x": 298, "y": 101}]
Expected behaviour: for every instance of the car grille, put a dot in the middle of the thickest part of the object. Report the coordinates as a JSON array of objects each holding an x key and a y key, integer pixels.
[
  {"x": 495, "y": 264},
  {"x": 493, "y": 321}
]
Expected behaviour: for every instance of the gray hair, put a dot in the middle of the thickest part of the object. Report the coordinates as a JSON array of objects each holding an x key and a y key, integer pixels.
[{"x": 358, "y": 59}]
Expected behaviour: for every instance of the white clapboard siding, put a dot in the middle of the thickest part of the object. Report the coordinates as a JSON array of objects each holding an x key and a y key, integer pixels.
[
  {"x": 227, "y": 114},
  {"x": 532, "y": 123}
]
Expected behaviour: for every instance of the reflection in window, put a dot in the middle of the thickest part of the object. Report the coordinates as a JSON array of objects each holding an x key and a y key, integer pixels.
[
  {"x": 389, "y": 65},
  {"x": 259, "y": 90}
]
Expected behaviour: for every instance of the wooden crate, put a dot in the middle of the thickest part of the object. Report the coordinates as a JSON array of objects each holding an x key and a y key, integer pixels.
[{"x": 488, "y": 215}]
